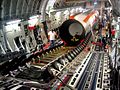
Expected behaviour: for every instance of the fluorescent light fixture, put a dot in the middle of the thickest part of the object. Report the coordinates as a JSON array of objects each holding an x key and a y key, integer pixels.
[
  {"x": 95, "y": 3},
  {"x": 12, "y": 27},
  {"x": 13, "y": 22},
  {"x": 34, "y": 17}
]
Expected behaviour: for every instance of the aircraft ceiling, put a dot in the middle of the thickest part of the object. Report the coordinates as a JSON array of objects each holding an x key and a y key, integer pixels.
[
  {"x": 116, "y": 7},
  {"x": 12, "y": 9}
]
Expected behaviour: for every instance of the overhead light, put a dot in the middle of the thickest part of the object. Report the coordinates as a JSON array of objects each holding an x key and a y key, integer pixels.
[
  {"x": 34, "y": 17},
  {"x": 13, "y": 22},
  {"x": 95, "y": 3}
]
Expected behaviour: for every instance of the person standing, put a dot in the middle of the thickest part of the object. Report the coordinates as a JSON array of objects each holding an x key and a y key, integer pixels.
[
  {"x": 104, "y": 43},
  {"x": 107, "y": 35},
  {"x": 100, "y": 27},
  {"x": 52, "y": 35},
  {"x": 100, "y": 42},
  {"x": 40, "y": 41}
]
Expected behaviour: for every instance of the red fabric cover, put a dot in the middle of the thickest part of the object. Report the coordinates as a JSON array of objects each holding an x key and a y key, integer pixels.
[
  {"x": 31, "y": 27},
  {"x": 113, "y": 32}
]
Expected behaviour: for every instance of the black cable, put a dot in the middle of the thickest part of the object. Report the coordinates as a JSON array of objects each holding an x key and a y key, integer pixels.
[
  {"x": 49, "y": 70},
  {"x": 65, "y": 84}
]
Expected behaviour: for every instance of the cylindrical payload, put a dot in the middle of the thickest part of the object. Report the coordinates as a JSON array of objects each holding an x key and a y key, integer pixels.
[
  {"x": 71, "y": 32},
  {"x": 74, "y": 30}
]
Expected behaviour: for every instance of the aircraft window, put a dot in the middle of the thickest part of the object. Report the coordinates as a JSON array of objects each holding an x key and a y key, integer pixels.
[
  {"x": 23, "y": 43},
  {"x": 17, "y": 41},
  {"x": 1, "y": 49}
]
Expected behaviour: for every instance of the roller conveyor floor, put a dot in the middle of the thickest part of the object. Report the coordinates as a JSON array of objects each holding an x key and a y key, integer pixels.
[
  {"x": 51, "y": 56},
  {"x": 63, "y": 67},
  {"x": 89, "y": 77},
  {"x": 93, "y": 72},
  {"x": 72, "y": 66}
]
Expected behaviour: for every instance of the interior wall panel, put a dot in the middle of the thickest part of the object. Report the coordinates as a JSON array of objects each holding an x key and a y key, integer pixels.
[
  {"x": 6, "y": 9},
  {"x": 19, "y": 6}
]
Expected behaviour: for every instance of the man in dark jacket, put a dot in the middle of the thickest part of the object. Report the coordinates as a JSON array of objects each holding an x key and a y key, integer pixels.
[{"x": 104, "y": 42}]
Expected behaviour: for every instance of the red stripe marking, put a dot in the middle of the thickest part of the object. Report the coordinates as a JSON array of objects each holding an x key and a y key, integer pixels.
[
  {"x": 88, "y": 17},
  {"x": 72, "y": 17},
  {"x": 65, "y": 81}
]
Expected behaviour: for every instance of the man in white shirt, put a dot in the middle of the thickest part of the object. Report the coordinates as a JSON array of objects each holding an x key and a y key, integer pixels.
[{"x": 52, "y": 35}]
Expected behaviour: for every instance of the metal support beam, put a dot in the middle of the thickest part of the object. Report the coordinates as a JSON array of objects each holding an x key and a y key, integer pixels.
[{"x": 43, "y": 9}]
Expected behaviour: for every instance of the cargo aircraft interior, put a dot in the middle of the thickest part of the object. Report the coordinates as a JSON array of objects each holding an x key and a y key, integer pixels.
[{"x": 59, "y": 45}]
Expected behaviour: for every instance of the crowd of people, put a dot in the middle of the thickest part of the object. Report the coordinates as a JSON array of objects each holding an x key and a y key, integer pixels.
[{"x": 104, "y": 40}]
